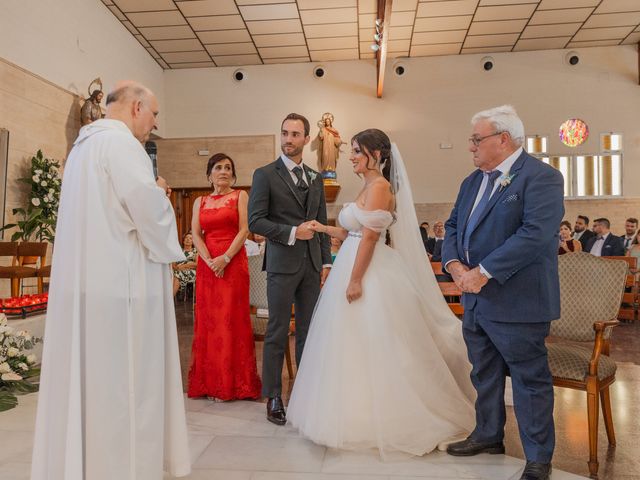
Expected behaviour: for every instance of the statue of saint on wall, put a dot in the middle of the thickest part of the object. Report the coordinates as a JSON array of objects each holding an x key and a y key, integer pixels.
[
  {"x": 328, "y": 144},
  {"x": 91, "y": 109}
]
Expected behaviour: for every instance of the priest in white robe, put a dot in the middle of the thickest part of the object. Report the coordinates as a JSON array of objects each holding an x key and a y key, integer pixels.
[{"x": 111, "y": 405}]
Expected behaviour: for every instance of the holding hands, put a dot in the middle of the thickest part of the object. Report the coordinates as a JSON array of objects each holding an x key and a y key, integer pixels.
[
  {"x": 304, "y": 232},
  {"x": 468, "y": 280},
  {"x": 317, "y": 226}
]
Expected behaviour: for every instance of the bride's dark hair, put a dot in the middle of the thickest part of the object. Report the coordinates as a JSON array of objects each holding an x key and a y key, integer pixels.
[{"x": 371, "y": 140}]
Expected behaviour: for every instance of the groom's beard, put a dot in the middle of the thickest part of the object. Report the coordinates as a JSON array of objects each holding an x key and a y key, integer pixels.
[{"x": 291, "y": 150}]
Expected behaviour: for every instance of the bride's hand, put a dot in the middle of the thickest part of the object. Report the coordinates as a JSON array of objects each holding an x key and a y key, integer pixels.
[
  {"x": 354, "y": 291},
  {"x": 317, "y": 226}
]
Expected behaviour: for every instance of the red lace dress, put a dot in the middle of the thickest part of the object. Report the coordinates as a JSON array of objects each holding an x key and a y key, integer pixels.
[{"x": 223, "y": 357}]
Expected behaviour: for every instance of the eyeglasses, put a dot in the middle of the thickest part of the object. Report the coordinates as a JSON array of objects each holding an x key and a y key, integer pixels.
[{"x": 478, "y": 140}]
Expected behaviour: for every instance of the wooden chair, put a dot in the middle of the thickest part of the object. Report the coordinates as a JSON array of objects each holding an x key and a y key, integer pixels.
[
  {"x": 453, "y": 295},
  {"x": 16, "y": 271},
  {"x": 259, "y": 305},
  {"x": 629, "y": 307},
  {"x": 437, "y": 268},
  {"x": 33, "y": 255},
  {"x": 591, "y": 289}
]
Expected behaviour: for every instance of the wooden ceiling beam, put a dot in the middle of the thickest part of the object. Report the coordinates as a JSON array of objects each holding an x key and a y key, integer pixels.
[{"x": 384, "y": 14}]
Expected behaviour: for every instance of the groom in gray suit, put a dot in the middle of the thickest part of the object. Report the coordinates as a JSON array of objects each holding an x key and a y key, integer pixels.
[{"x": 286, "y": 196}]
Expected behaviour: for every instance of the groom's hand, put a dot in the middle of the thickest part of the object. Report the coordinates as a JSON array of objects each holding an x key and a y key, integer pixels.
[
  {"x": 303, "y": 232},
  {"x": 323, "y": 275},
  {"x": 473, "y": 281}
]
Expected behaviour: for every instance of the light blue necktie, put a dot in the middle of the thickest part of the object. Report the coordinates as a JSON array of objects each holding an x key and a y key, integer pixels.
[{"x": 482, "y": 204}]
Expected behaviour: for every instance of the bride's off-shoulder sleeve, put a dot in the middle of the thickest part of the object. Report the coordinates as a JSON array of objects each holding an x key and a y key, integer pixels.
[{"x": 376, "y": 220}]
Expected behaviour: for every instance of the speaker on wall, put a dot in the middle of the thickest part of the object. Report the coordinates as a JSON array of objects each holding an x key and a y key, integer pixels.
[
  {"x": 487, "y": 63},
  {"x": 239, "y": 75}
]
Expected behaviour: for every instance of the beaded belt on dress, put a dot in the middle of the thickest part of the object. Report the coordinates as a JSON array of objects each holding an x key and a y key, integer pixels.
[{"x": 355, "y": 234}]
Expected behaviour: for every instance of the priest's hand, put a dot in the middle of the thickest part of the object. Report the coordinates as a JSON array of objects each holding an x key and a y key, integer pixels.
[{"x": 162, "y": 183}]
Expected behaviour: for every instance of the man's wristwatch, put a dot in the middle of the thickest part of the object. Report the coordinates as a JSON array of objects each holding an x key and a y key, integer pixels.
[{"x": 226, "y": 258}]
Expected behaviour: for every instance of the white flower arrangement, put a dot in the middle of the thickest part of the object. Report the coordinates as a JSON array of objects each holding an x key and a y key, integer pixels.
[
  {"x": 15, "y": 365},
  {"x": 505, "y": 180},
  {"x": 37, "y": 221}
]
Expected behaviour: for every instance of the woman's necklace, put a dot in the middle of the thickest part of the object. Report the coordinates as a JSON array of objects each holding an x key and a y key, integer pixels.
[{"x": 229, "y": 190}]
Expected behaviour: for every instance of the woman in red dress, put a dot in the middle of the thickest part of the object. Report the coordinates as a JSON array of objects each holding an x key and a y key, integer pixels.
[{"x": 223, "y": 357}]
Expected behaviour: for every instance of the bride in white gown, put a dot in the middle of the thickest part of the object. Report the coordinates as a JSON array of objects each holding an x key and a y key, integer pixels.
[{"x": 384, "y": 364}]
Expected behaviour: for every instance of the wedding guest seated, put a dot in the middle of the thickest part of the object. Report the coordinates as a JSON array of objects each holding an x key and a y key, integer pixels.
[
  {"x": 336, "y": 243},
  {"x": 424, "y": 233},
  {"x": 184, "y": 272},
  {"x": 254, "y": 245},
  {"x": 630, "y": 229},
  {"x": 581, "y": 231},
  {"x": 434, "y": 244},
  {"x": 634, "y": 249},
  {"x": 605, "y": 244},
  {"x": 567, "y": 243}
]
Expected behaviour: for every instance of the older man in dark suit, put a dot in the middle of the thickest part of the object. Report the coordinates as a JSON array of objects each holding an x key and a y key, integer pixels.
[
  {"x": 285, "y": 196},
  {"x": 501, "y": 248}
]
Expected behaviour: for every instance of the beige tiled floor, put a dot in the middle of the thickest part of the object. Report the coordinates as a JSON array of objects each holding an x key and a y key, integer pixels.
[{"x": 233, "y": 441}]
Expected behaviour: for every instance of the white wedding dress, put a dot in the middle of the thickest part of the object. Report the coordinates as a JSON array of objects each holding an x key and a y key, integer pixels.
[{"x": 390, "y": 370}]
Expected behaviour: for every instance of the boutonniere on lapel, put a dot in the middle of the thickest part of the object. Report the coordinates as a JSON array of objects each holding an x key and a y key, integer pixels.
[
  {"x": 312, "y": 175},
  {"x": 505, "y": 180}
]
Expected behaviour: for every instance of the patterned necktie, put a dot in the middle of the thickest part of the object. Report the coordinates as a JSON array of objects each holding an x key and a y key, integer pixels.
[
  {"x": 303, "y": 188},
  {"x": 482, "y": 204}
]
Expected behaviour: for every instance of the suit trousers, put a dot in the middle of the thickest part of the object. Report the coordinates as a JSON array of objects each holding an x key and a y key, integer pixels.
[
  {"x": 302, "y": 289},
  {"x": 498, "y": 349}
]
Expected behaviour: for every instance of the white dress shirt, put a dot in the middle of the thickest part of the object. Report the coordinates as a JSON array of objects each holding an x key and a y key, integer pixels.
[
  {"x": 290, "y": 164},
  {"x": 596, "y": 249}
]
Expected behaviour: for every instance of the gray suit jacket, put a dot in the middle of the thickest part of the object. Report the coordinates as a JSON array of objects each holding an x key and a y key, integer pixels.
[{"x": 275, "y": 207}]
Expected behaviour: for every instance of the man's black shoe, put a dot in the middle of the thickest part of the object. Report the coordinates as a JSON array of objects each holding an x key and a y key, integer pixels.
[
  {"x": 536, "y": 471},
  {"x": 275, "y": 411},
  {"x": 469, "y": 447}
]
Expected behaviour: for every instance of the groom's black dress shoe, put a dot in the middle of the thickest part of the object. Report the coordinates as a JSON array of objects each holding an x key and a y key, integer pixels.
[
  {"x": 275, "y": 411},
  {"x": 536, "y": 471},
  {"x": 469, "y": 447}
]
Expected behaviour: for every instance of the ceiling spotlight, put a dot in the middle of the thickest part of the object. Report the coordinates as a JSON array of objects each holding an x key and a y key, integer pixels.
[{"x": 375, "y": 47}]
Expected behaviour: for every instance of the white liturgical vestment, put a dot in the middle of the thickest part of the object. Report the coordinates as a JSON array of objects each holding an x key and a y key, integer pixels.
[{"x": 111, "y": 405}]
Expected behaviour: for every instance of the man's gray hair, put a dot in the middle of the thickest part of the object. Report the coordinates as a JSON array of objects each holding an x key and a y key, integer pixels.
[
  {"x": 128, "y": 91},
  {"x": 503, "y": 119}
]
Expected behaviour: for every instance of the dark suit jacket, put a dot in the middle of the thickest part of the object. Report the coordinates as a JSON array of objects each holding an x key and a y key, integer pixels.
[
  {"x": 584, "y": 239},
  {"x": 275, "y": 207},
  {"x": 515, "y": 240},
  {"x": 425, "y": 238},
  {"x": 434, "y": 247},
  {"x": 613, "y": 246}
]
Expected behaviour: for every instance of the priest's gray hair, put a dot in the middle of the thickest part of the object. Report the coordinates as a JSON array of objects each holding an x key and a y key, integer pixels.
[
  {"x": 128, "y": 90},
  {"x": 503, "y": 119}
]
